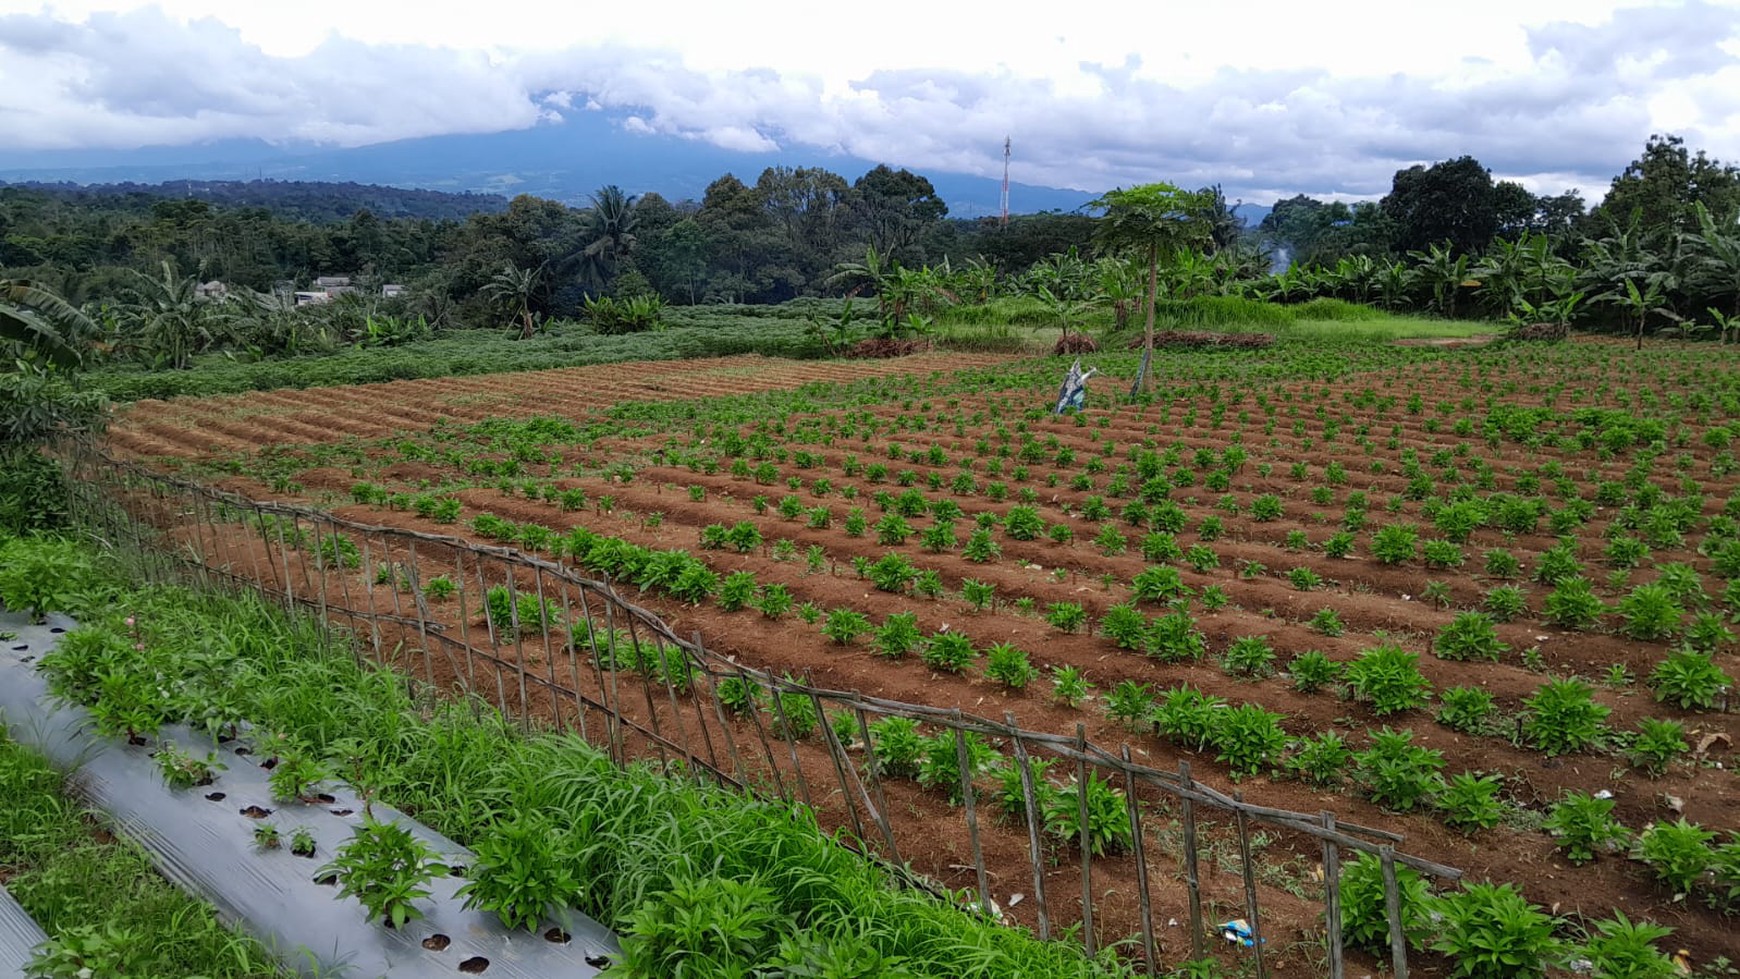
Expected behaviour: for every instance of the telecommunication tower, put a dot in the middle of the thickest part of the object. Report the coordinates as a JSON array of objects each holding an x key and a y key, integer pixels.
[{"x": 1004, "y": 222}]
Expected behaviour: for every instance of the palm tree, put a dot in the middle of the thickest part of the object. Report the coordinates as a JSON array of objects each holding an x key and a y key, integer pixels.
[
  {"x": 37, "y": 320},
  {"x": 513, "y": 289},
  {"x": 610, "y": 230},
  {"x": 1156, "y": 221}
]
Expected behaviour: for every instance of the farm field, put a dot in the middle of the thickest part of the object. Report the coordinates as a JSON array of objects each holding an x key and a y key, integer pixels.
[{"x": 1465, "y": 595}]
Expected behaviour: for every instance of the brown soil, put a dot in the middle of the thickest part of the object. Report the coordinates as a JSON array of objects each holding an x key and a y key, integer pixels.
[{"x": 1369, "y": 597}]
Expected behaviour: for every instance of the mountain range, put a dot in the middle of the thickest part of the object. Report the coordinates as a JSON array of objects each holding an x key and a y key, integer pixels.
[{"x": 563, "y": 161}]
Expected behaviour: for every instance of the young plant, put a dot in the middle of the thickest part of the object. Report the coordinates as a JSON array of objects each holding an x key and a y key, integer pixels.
[
  {"x": 1470, "y": 802},
  {"x": 1321, "y": 760},
  {"x": 1248, "y": 739},
  {"x": 896, "y": 747},
  {"x": 1465, "y": 709},
  {"x": 1678, "y": 853},
  {"x": 1396, "y": 773},
  {"x": 1250, "y": 657},
  {"x": 1573, "y": 604},
  {"x": 295, "y": 777},
  {"x": 1689, "y": 680},
  {"x": 521, "y": 871},
  {"x": 184, "y": 771},
  {"x": 1107, "y": 830},
  {"x": 845, "y": 625},
  {"x": 1313, "y": 670},
  {"x": 1584, "y": 826},
  {"x": 1562, "y": 716},
  {"x": 1388, "y": 677},
  {"x": 1066, "y": 616},
  {"x": 949, "y": 652},
  {"x": 302, "y": 842},
  {"x": 1364, "y": 905},
  {"x": 1327, "y": 622},
  {"x": 1130, "y": 704},
  {"x": 387, "y": 869},
  {"x": 774, "y": 601},
  {"x": 1620, "y": 947},
  {"x": 1657, "y": 744},
  {"x": 1490, "y": 931},
  {"x": 897, "y": 635},
  {"x": 1069, "y": 686},
  {"x": 1469, "y": 636},
  {"x": 267, "y": 837},
  {"x": 1008, "y": 664}
]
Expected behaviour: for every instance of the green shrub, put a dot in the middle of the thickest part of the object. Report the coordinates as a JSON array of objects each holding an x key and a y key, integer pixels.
[
  {"x": 1396, "y": 773},
  {"x": 1388, "y": 677},
  {"x": 1584, "y": 826},
  {"x": 1395, "y": 543},
  {"x": 1321, "y": 760},
  {"x": 1470, "y": 801},
  {"x": 1505, "y": 602},
  {"x": 897, "y": 635},
  {"x": 1313, "y": 670},
  {"x": 1008, "y": 664},
  {"x": 1469, "y": 636},
  {"x": 1066, "y": 616},
  {"x": 1650, "y": 612},
  {"x": 1365, "y": 910},
  {"x": 1573, "y": 604},
  {"x": 1622, "y": 949},
  {"x": 1689, "y": 680},
  {"x": 950, "y": 652},
  {"x": 1490, "y": 931},
  {"x": 1657, "y": 744},
  {"x": 896, "y": 746},
  {"x": 1188, "y": 716},
  {"x": 845, "y": 625},
  {"x": 1108, "y": 823},
  {"x": 1561, "y": 716},
  {"x": 1678, "y": 853},
  {"x": 1249, "y": 656},
  {"x": 520, "y": 871},
  {"x": 1248, "y": 739},
  {"x": 1465, "y": 709},
  {"x": 1130, "y": 704},
  {"x": 43, "y": 575}
]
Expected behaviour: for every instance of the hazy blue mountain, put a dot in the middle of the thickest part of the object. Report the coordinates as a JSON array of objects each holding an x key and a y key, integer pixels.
[{"x": 564, "y": 161}]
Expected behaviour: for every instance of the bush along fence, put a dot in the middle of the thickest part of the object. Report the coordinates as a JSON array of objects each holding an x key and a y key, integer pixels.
[{"x": 1082, "y": 843}]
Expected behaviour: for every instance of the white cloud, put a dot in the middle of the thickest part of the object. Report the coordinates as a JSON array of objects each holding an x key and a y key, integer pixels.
[{"x": 1264, "y": 97}]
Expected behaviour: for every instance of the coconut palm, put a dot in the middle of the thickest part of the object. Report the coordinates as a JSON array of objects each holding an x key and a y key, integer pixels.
[{"x": 610, "y": 233}]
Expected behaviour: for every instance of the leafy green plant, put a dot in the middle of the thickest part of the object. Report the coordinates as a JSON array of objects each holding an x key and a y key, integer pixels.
[
  {"x": 1023, "y": 523},
  {"x": 1188, "y": 716},
  {"x": 1066, "y": 616},
  {"x": 980, "y": 548},
  {"x": 1657, "y": 744},
  {"x": 1365, "y": 910},
  {"x": 440, "y": 588},
  {"x": 1466, "y": 709},
  {"x": 1620, "y": 948},
  {"x": 1650, "y": 612},
  {"x": 1249, "y": 656},
  {"x": 1174, "y": 638},
  {"x": 521, "y": 870},
  {"x": 845, "y": 625},
  {"x": 1504, "y": 603},
  {"x": 1678, "y": 853},
  {"x": 939, "y": 762},
  {"x": 1248, "y": 739},
  {"x": 1312, "y": 670},
  {"x": 1490, "y": 931},
  {"x": 896, "y": 746},
  {"x": 738, "y": 695},
  {"x": 85, "y": 952},
  {"x": 1584, "y": 826},
  {"x": 950, "y": 652},
  {"x": 1689, "y": 680},
  {"x": 1069, "y": 686},
  {"x": 387, "y": 869},
  {"x": 267, "y": 837},
  {"x": 1573, "y": 604},
  {"x": 1469, "y": 801},
  {"x": 774, "y": 600},
  {"x": 1561, "y": 716},
  {"x": 1388, "y": 677},
  {"x": 1108, "y": 830},
  {"x": 1130, "y": 704},
  {"x": 698, "y": 925},
  {"x": 736, "y": 591},
  {"x": 182, "y": 770},
  {"x": 1396, "y": 773},
  {"x": 1321, "y": 760},
  {"x": 1469, "y": 636},
  {"x": 42, "y": 575},
  {"x": 1395, "y": 543},
  {"x": 1008, "y": 664}
]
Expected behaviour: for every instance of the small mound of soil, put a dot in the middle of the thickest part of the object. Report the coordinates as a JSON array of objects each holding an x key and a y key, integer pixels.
[
  {"x": 1550, "y": 332},
  {"x": 1206, "y": 338},
  {"x": 1075, "y": 343},
  {"x": 883, "y": 347}
]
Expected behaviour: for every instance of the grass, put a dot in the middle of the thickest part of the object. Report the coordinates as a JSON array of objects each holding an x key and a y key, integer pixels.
[
  {"x": 68, "y": 875},
  {"x": 1390, "y": 327},
  {"x": 640, "y": 838}
]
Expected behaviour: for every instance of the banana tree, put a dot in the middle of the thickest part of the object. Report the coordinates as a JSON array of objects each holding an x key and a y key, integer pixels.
[
  {"x": 1637, "y": 305},
  {"x": 1716, "y": 262},
  {"x": 36, "y": 322},
  {"x": 1444, "y": 272}
]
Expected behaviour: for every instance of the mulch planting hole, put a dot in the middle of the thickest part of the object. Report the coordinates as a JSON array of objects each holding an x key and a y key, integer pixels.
[
  {"x": 244, "y": 751},
  {"x": 474, "y": 965},
  {"x": 437, "y": 942},
  {"x": 255, "y": 812},
  {"x": 214, "y": 796},
  {"x": 557, "y": 936},
  {"x": 341, "y": 812},
  {"x": 457, "y": 870}
]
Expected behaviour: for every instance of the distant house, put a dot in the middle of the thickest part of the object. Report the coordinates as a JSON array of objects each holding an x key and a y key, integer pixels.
[
  {"x": 392, "y": 291},
  {"x": 212, "y": 290},
  {"x": 312, "y": 298},
  {"x": 326, "y": 288}
]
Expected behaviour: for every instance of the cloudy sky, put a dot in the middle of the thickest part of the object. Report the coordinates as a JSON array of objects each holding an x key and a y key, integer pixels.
[{"x": 1327, "y": 97}]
